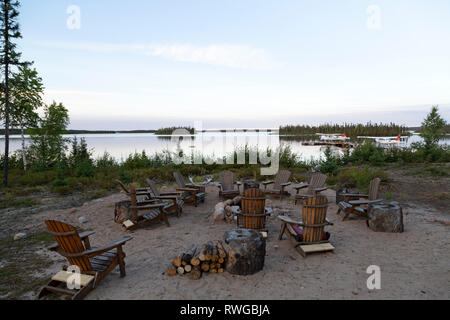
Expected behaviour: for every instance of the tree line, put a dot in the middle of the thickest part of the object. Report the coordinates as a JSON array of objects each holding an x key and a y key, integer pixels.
[{"x": 350, "y": 129}]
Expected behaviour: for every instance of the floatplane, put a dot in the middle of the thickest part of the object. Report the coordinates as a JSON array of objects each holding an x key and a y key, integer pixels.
[
  {"x": 388, "y": 141},
  {"x": 333, "y": 139}
]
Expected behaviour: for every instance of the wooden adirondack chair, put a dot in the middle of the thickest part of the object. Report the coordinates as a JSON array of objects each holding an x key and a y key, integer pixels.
[
  {"x": 139, "y": 192},
  {"x": 176, "y": 204},
  {"x": 227, "y": 185},
  {"x": 313, "y": 187},
  {"x": 94, "y": 263},
  {"x": 153, "y": 212},
  {"x": 359, "y": 205},
  {"x": 253, "y": 212},
  {"x": 191, "y": 193},
  {"x": 311, "y": 234},
  {"x": 281, "y": 181}
]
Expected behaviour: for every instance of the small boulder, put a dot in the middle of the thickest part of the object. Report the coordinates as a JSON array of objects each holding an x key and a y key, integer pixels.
[
  {"x": 19, "y": 236},
  {"x": 237, "y": 200},
  {"x": 218, "y": 215},
  {"x": 229, "y": 202},
  {"x": 83, "y": 219},
  {"x": 220, "y": 205}
]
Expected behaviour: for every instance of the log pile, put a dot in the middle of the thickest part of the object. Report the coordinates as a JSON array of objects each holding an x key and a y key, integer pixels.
[{"x": 210, "y": 257}]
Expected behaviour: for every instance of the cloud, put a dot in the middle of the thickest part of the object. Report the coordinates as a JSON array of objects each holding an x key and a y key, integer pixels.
[
  {"x": 235, "y": 56},
  {"x": 227, "y": 55}
]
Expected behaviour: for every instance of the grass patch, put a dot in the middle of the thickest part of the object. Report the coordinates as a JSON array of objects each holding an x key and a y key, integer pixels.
[{"x": 20, "y": 263}]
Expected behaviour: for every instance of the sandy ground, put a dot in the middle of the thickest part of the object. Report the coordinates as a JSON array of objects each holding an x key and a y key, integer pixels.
[{"x": 414, "y": 264}]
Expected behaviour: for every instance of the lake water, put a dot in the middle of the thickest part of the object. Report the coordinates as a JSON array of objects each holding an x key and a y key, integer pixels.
[{"x": 211, "y": 144}]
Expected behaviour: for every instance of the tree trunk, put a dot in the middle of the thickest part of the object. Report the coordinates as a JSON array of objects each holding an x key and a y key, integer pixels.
[
  {"x": 246, "y": 250},
  {"x": 6, "y": 53}
]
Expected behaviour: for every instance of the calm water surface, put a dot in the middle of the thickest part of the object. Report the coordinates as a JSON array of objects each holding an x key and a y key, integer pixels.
[{"x": 213, "y": 144}]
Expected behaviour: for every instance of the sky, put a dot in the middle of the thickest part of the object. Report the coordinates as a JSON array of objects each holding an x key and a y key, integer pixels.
[{"x": 250, "y": 63}]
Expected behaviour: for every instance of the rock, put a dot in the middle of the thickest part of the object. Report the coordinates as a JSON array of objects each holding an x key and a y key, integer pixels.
[
  {"x": 73, "y": 211},
  {"x": 19, "y": 236},
  {"x": 229, "y": 202},
  {"x": 235, "y": 209},
  {"x": 218, "y": 215},
  {"x": 246, "y": 250},
  {"x": 269, "y": 203},
  {"x": 237, "y": 200},
  {"x": 227, "y": 208},
  {"x": 385, "y": 217},
  {"x": 83, "y": 219},
  {"x": 220, "y": 205}
]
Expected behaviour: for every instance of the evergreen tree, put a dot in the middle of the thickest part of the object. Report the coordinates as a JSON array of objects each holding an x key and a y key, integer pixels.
[
  {"x": 433, "y": 128},
  {"x": 9, "y": 31}
]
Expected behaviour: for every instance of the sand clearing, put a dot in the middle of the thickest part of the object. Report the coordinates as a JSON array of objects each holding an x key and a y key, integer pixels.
[{"x": 414, "y": 264}]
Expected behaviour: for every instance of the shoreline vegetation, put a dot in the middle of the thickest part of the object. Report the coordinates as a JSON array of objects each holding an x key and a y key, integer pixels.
[{"x": 351, "y": 130}]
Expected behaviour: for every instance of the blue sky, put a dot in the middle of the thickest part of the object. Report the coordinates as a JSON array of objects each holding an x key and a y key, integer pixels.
[{"x": 147, "y": 64}]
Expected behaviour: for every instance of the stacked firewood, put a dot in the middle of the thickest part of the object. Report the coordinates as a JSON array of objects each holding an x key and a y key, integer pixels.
[{"x": 209, "y": 257}]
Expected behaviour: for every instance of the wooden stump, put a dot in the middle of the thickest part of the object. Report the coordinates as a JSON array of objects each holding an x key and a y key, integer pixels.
[
  {"x": 122, "y": 211},
  {"x": 246, "y": 250},
  {"x": 385, "y": 217}
]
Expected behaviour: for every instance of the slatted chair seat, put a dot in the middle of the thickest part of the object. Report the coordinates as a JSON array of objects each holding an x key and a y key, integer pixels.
[
  {"x": 172, "y": 200},
  {"x": 281, "y": 182},
  {"x": 191, "y": 193},
  {"x": 95, "y": 263},
  {"x": 153, "y": 212},
  {"x": 359, "y": 207}
]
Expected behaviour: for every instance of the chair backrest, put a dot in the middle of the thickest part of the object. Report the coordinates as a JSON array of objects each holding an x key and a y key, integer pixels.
[
  {"x": 179, "y": 179},
  {"x": 314, "y": 212},
  {"x": 253, "y": 202},
  {"x": 317, "y": 180},
  {"x": 282, "y": 177},
  {"x": 373, "y": 188},
  {"x": 133, "y": 198},
  {"x": 227, "y": 180},
  {"x": 153, "y": 187},
  {"x": 70, "y": 243},
  {"x": 123, "y": 186}
]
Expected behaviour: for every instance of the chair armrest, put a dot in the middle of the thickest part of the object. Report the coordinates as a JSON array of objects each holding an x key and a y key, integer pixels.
[
  {"x": 187, "y": 189},
  {"x": 98, "y": 251},
  {"x": 360, "y": 202},
  {"x": 302, "y": 186},
  {"x": 166, "y": 197},
  {"x": 83, "y": 235},
  {"x": 285, "y": 184},
  {"x": 142, "y": 190},
  {"x": 150, "y": 206},
  {"x": 169, "y": 194},
  {"x": 139, "y": 193},
  {"x": 354, "y": 195},
  {"x": 319, "y": 189},
  {"x": 265, "y": 183},
  {"x": 290, "y": 221}
]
